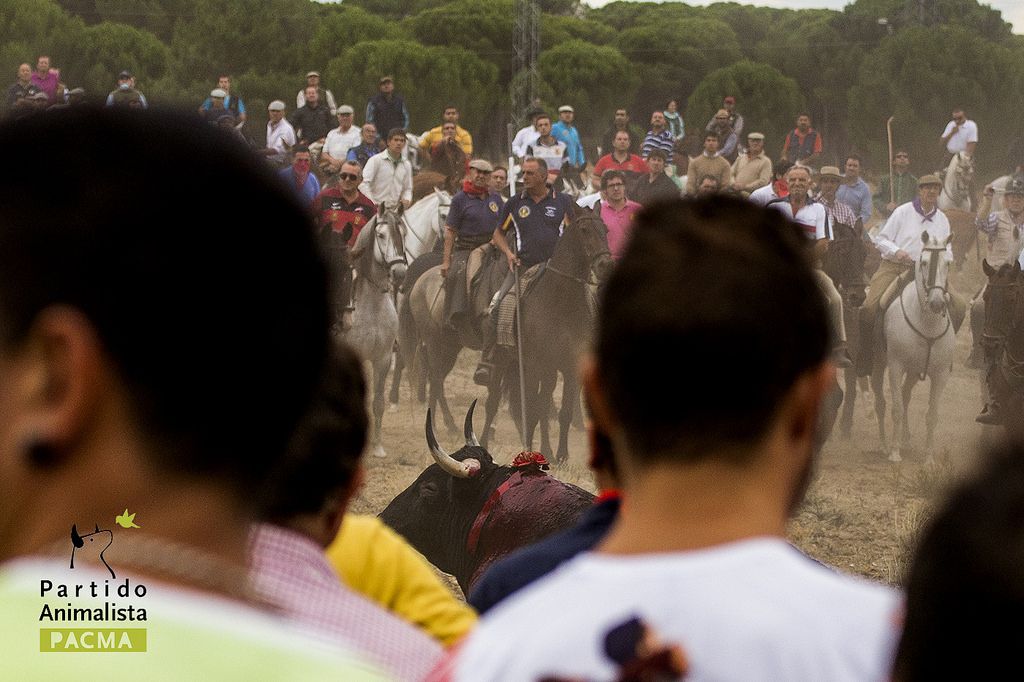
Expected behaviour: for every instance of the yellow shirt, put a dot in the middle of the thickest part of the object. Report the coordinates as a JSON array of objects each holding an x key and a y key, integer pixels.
[
  {"x": 377, "y": 562},
  {"x": 462, "y": 136}
]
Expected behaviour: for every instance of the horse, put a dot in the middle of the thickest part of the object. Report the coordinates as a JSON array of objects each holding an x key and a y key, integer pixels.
[
  {"x": 919, "y": 339},
  {"x": 556, "y": 320},
  {"x": 844, "y": 264},
  {"x": 1003, "y": 340},
  {"x": 956, "y": 185},
  {"x": 423, "y": 226},
  {"x": 379, "y": 259}
]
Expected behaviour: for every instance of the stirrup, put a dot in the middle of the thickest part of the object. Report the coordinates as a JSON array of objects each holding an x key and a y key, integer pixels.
[
  {"x": 483, "y": 374},
  {"x": 990, "y": 416}
]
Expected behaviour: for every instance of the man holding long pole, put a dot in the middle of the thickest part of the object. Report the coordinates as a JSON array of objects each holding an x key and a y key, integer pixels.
[{"x": 537, "y": 213}]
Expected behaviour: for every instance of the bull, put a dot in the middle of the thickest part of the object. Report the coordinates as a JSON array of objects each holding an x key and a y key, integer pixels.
[{"x": 464, "y": 511}]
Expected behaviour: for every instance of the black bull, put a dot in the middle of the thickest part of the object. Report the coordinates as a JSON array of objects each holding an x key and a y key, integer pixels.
[{"x": 464, "y": 512}]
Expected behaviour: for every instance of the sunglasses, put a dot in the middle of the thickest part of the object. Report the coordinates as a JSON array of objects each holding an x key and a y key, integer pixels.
[{"x": 348, "y": 176}]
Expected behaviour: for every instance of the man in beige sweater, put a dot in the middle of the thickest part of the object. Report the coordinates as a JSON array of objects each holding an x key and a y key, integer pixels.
[
  {"x": 753, "y": 169},
  {"x": 708, "y": 163}
]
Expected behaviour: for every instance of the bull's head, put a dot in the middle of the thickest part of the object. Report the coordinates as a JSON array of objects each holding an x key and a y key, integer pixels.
[{"x": 467, "y": 468}]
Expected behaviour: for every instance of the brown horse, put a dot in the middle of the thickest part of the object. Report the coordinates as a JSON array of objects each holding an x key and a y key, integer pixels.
[
  {"x": 844, "y": 264},
  {"x": 964, "y": 231},
  {"x": 557, "y": 318}
]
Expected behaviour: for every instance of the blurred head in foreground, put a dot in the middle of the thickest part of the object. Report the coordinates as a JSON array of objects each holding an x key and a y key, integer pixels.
[{"x": 152, "y": 353}]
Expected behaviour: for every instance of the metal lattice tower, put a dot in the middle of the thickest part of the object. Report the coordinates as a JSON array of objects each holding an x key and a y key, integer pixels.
[{"x": 526, "y": 50}]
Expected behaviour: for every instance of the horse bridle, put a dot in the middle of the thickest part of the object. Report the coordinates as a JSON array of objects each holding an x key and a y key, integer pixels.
[
  {"x": 441, "y": 217},
  {"x": 591, "y": 277},
  {"x": 929, "y": 287},
  {"x": 399, "y": 258}
]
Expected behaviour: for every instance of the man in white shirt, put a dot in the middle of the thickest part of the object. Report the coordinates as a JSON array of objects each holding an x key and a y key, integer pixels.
[
  {"x": 526, "y": 136},
  {"x": 340, "y": 140},
  {"x": 387, "y": 177},
  {"x": 899, "y": 242},
  {"x": 280, "y": 133},
  {"x": 960, "y": 135},
  {"x": 696, "y": 571}
]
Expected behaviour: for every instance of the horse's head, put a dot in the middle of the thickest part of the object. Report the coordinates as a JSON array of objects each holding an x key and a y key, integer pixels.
[
  {"x": 589, "y": 237},
  {"x": 964, "y": 173},
  {"x": 381, "y": 246},
  {"x": 932, "y": 272},
  {"x": 1002, "y": 296},
  {"x": 444, "y": 205},
  {"x": 844, "y": 264}
]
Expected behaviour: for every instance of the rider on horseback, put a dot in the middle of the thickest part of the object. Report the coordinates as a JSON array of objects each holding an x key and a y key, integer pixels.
[
  {"x": 1005, "y": 230},
  {"x": 471, "y": 223},
  {"x": 537, "y": 214},
  {"x": 899, "y": 242}
]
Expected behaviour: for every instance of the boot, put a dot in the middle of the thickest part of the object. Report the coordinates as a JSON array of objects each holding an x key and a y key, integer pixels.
[
  {"x": 485, "y": 368},
  {"x": 991, "y": 415}
]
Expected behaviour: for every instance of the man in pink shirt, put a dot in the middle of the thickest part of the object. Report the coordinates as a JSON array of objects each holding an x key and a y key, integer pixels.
[
  {"x": 616, "y": 211},
  {"x": 46, "y": 78}
]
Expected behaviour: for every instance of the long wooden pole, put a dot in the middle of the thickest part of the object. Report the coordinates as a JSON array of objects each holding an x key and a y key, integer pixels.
[{"x": 892, "y": 185}]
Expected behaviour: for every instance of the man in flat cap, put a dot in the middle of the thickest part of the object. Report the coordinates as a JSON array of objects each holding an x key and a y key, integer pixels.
[
  {"x": 387, "y": 109},
  {"x": 126, "y": 95},
  {"x": 326, "y": 96}
]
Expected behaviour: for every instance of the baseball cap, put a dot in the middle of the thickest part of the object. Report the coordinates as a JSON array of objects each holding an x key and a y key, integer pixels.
[
  {"x": 217, "y": 92},
  {"x": 755, "y": 136},
  {"x": 313, "y": 73},
  {"x": 566, "y": 107},
  {"x": 385, "y": 79},
  {"x": 124, "y": 74},
  {"x": 481, "y": 165},
  {"x": 276, "y": 105},
  {"x": 346, "y": 109}
]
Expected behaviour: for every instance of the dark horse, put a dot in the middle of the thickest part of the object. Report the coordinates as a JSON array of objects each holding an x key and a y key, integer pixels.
[
  {"x": 844, "y": 264},
  {"x": 1003, "y": 341},
  {"x": 557, "y": 317}
]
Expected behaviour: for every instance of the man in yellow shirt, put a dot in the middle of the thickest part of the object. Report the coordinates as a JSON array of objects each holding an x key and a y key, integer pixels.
[{"x": 462, "y": 136}]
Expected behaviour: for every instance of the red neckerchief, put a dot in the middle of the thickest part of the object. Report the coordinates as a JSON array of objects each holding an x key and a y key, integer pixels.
[
  {"x": 608, "y": 494},
  {"x": 472, "y": 190},
  {"x": 781, "y": 188}
]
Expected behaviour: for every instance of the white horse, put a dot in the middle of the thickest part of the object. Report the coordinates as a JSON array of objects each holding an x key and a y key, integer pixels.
[
  {"x": 423, "y": 223},
  {"x": 919, "y": 338},
  {"x": 956, "y": 186},
  {"x": 378, "y": 257}
]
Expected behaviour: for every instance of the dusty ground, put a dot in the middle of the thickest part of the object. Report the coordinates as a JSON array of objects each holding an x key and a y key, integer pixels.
[{"x": 861, "y": 514}]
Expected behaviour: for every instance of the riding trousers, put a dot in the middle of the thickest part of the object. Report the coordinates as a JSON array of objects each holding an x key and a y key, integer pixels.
[{"x": 835, "y": 304}]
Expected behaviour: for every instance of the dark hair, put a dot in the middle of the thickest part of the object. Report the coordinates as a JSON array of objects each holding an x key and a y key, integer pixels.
[
  {"x": 539, "y": 117},
  {"x": 325, "y": 451},
  {"x": 780, "y": 167},
  {"x": 540, "y": 162},
  {"x": 709, "y": 134},
  {"x": 299, "y": 149},
  {"x": 622, "y": 132},
  {"x": 703, "y": 283},
  {"x": 218, "y": 340},
  {"x": 709, "y": 177},
  {"x": 855, "y": 157},
  {"x": 657, "y": 153},
  {"x": 965, "y": 587},
  {"x": 804, "y": 113},
  {"x": 396, "y": 132},
  {"x": 449, "y": 107},
  {"x": 610, "y": 175}
]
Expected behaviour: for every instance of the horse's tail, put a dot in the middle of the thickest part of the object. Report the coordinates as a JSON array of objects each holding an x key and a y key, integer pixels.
[{"x": 409, "y": 342}]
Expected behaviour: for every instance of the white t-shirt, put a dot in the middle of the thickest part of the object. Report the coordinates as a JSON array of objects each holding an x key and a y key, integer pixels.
[
  {"x": 280, "y": 137},
  {"x": 762, "y": 195},
  {"x": 811, "y": 217},
  {"x": 902, "y": 232},
  {"x": 523, "y": 139},
  {"x": 751, "y": 610},
  {"x": 338, "y": 143},
  {"x": 968, "y": 133}
]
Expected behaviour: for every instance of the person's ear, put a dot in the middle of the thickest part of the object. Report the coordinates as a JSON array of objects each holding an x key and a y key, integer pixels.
[{"x": 56, "y": 384}]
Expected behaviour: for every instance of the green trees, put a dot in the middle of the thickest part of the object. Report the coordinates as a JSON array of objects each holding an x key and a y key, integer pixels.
[{"x": 851, "y": 69}]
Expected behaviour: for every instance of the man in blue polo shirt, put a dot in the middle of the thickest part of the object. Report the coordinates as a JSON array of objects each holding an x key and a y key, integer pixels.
[
  {"x": 537, "y": 214},
  {"x": 471, "y": 222},
  {"x": 565, "y": 131}
]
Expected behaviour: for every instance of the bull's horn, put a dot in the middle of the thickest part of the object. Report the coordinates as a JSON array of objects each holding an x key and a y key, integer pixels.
[
  {"x": 449, "y": 464},
  {"x": 468, "y": 428}
]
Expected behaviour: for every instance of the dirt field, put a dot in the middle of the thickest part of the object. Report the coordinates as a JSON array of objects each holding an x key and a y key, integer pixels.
[{"x": 861, "y": 514}]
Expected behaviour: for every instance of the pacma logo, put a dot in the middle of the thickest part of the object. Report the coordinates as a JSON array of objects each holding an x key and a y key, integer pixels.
[{"x": 98, "y": 538}]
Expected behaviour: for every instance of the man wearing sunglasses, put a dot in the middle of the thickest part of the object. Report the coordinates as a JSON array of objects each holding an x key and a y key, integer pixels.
[
  {"x": 903, "y": 183},
  {"x": 342, "y": 211}
]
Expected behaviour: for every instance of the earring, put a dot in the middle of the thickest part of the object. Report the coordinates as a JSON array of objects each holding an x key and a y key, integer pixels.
[{"x": 40, "y": 454}]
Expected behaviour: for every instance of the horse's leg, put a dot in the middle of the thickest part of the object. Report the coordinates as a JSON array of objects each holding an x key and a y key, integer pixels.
[
  {"x": 445, "y": 366},
  {"x": 909, "y": 381},
  {"x": 849, "y": 401},
  {"x": 938, "y": 385},
  {"x": 380, "y": 378},
  {"x": 878, "y": 388},
  {"x": 493, "y": 403},
  {"x": 420, "y": 376},
  {"x": 896, "y": 395},
  {"x": 545, "y": 400},
  {"x": 396, "y": 380},
  {"x": 570, "y": 396}
]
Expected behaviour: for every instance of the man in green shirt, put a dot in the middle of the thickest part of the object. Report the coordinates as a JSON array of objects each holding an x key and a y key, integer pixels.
[{"x": 903, "y": 185}]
